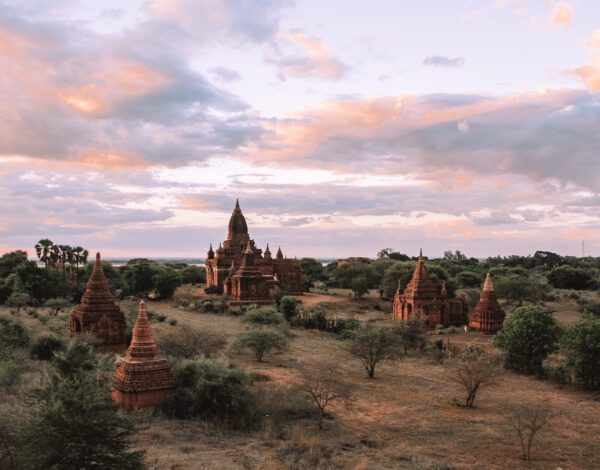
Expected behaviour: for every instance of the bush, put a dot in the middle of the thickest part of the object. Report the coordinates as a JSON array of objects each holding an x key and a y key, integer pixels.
[
  {"x": 567, "y": 277},
  {"x": 18, "y": 300},
  {"x": 44, "y": 347},
  {"x": 528, "y": 336},
  {"x": 558, "y": 373},
  {"x": 262, "y": 316},
  {"x": 211, "y": 290},
  {"x": 288, "y": 306},
  {"x": 188, "y": 342},
  {"x": 161, "y": 318},
  {"x": 13, "y": 334},
  {"x": 173, "y": 322},
  {"x": 263, "y": 341},
  {"x": 210, "y": 389},
  {"x": 56, "y": 305},
  {"x": 582, "y": 344}
]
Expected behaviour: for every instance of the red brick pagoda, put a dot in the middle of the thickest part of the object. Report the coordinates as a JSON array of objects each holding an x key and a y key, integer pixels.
[
  {"x": 98, "y": 313},
  {"x": 423, "y": 299},
  {"x": 487, "y": 316},
  {"x": 143, "y": 379},
  {"x": 239, "y": 269}
]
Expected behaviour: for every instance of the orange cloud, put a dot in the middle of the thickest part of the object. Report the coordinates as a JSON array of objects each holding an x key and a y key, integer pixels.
[
  {"x": 562, "y": 14},
  {"x": 103, "y": 91},
  {"x": 590, "y": 73},
  {"x": 191, "y": 203},
  {"x": 111, "y": 161}
]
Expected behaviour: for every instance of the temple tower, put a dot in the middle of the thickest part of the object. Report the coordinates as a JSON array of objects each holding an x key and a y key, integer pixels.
[
  {"x": 487, "y": 316},
  {"x": 143, "y": 378},
  {"x": 98, "y": 313}
]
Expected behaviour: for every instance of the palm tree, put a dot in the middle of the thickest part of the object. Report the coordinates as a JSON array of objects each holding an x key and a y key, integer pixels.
[
  {"x": 80, "y": 256},
  {"x": 43, "y": 249}
]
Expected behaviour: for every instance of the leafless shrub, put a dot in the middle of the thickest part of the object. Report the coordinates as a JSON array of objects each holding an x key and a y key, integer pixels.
[
  {"x": 528, "y": 422},
  {"x": 474, "y": 373},
  {"x": 324, "y": 386}
]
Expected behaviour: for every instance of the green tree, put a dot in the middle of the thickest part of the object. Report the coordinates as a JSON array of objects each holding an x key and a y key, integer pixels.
[
  {"x": 56, "y": 305},
  {"x": 312, "y": 271},
  {"x": 261, "y": 316},
  {"x": 263, "y": 341},
  {"x": 528, "y": 336},
  {"x": 166, "y": 280},
  {"x": 44, "y": 251},
  {"x": 9, "y": 261},
  {"x": 582, "y": 344},
  {"x": 76, "y": 426},
  {"x": 209, "y": 389},
  {"x": 412, "y": 333},
  {"x": 18, "y": 300},
  {"x": 13, "y": 335},
  {"x": 138, "y": 276},
  {"x": 359, "y": 286},
  {"x": 289, "y": 306},
  {"x": 193, "y": 275},
  {"x": 567, "y": 277},
  {"x": 375, "y": 343}
]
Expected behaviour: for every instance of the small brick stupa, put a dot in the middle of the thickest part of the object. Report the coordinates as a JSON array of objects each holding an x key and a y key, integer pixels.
[
  {"x": 487, "y": 316},
  {"x": 143, "y": 378},
  {"x": 98, "y": 313}
]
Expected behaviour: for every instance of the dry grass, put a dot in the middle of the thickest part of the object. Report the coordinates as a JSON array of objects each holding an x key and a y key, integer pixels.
[{"x": 405, "y": 418}]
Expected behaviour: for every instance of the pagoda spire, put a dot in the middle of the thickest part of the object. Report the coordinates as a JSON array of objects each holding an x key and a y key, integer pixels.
[
  {"x": 279, "y": 253},
  {"x": 487, "y": 285}
]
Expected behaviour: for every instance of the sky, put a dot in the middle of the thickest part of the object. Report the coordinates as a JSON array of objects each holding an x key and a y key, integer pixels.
[{"x": 343, "y": 126}]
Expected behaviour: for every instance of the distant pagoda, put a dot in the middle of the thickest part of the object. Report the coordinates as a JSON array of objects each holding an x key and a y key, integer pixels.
[
  {"x": 143, "y": 378},
  {"x": 98, "y": 313},
  {"x": 487, "y": 316}
]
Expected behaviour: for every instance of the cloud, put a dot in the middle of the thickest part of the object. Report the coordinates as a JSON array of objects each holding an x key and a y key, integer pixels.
[
  {"x": 590, "y": 73},
  {"x": 443, "y": 61},
  {"x": 562, "y": 15},
  {"x": 298, "y": 55},
  {"x": 225, "y": 74},
  {"x": 548, "y": 135}
]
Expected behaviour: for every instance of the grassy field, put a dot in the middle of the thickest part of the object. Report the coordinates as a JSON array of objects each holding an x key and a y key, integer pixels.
[{"x": 405, "y": 418}]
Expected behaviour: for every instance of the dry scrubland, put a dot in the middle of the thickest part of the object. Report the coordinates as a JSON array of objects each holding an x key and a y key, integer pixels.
[{"x": 404, "y": 418}]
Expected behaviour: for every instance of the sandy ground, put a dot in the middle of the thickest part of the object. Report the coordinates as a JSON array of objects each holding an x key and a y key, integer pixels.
[{"x": 404, "y": 418}]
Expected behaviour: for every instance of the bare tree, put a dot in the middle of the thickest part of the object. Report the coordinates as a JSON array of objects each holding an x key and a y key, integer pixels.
[
  {"x": 324, "y": 386},
  {"x": 476, "y": 373},
  {"x": 528, "y": 423}
]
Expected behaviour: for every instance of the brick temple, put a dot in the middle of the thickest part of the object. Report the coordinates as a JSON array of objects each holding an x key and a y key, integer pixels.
[
  {"x": 143, "y": 378},
  {"x": 98, "y": 312},
  {"x": 240, "y": 270},
  {"x": 424, "y": 299},
  {"x": 487, "y": 316}
]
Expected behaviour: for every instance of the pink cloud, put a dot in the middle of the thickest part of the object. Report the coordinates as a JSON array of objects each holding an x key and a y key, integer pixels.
[
  {"x": 590, "y": 73},
  {"x": 301, "y": 56},
  {"x": 562, "y": 15}
]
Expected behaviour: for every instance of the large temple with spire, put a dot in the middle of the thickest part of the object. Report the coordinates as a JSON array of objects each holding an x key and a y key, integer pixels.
[
  {"x": 424, "y": 299},
  {"x": 241, "y": 271}
]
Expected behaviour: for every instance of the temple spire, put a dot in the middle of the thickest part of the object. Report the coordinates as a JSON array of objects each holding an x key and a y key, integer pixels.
[
  {"x": 279, "y": 253},
  {"x": 420, "y": 253},
  {"x": 487, "y": 285}
]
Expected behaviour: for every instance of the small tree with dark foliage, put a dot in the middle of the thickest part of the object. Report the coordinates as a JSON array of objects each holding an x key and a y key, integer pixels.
[{"x": 375, "y": 343}]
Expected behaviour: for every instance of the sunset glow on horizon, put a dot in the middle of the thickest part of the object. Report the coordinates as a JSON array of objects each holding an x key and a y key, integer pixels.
[{"x": 342, "y": 127}]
